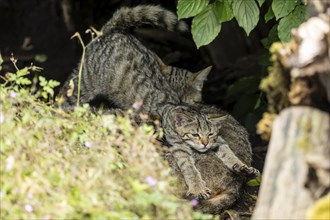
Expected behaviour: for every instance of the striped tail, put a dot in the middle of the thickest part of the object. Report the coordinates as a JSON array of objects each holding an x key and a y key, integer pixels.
[{"x": 125, "y": 18}]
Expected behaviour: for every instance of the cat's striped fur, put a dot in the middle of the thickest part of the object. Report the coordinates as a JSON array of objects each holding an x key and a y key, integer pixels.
[{"x": 120, "y": 69}]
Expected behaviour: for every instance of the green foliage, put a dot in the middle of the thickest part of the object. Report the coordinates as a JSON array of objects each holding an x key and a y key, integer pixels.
[
  {"x": 188, "y": 8},
  {"x": 293, "y": 20},
  {"x": 224, "y": 10},
  {"x": 209, "y": 15},
  {"x": 55, "y": 165},
  {"x": 41, "y": 58},
  {"x": 272, "y": 37},
  {"x": 47, "y": 87},
  {"x": 20, "y": 82},
  {"x": 261, "y": 2},
  {"x": 254, "y": 182},
  {"x": 205, "y": 26},
  {"x": 282, "y": 8},
  {"x": 269, "y": 15},
  {"x": 246, "y": 13}
]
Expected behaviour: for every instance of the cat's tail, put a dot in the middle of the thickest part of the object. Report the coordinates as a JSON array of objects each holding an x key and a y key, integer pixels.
[{"x": 154, "y": 15}]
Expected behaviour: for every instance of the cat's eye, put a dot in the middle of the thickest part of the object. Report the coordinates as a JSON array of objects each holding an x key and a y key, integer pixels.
[
  {"x": 195, "y": 135},
  {"x": 211, "y": 134}
]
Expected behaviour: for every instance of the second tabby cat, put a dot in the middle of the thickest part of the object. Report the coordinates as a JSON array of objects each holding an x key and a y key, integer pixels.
[{"x": 227, "y": 147}]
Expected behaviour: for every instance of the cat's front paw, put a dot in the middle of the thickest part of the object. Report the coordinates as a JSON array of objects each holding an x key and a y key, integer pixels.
[
  {"x": 246, "y": 171},
  {"x": 199, "y": 192}
]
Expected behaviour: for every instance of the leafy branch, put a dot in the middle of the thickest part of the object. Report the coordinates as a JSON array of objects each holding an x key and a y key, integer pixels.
[{"x": 208, "y": 16}]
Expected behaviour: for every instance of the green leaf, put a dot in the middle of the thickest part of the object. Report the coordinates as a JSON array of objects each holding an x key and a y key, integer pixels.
[
  {"x": 271, "y": 38},
  {"x": 246, "y": 13},
  {"x": 261, "y": 2},
  {"x": 11, "y": 76},
  {"x": 254, "y": 182},
  {"x": 223, "y": 10},
  {"x": 23, "y": 72},
  {"x": 41, "y": 58},
  {"x": 269, "y": 15},
  {"x": 205, "y": 26},
  {"x": 23, "y": 81},
  {"x": 53, "y": 83},
  {"x": 282, "y": 8},
  {"x": 190, "y": 8},
  {"x": 42, "y": 81},
  {"x": 293, "y": 20}
]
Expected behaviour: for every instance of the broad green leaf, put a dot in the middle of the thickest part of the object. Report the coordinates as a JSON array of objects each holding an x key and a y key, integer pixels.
[
  {"x": 261, "y": 2},
  {"x": 190, "y": 8},
  {"x": 223, "y": 10},
  {"x": 246, "y": 13},
  {"x": 205, "y": 26},
  {"x": 269, "y": 15},
  {"x": 293, "y": 20},
  {"x": 282, "y": 8},
  {"x": 271, "y": 38}
]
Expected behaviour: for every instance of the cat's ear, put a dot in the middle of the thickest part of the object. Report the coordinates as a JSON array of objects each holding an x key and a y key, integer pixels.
[
  {"x": 216, "y": 118},
  {"x": 164, "y": 69},
  {"x": 182, "y": 118},
  {"x": 199, "y": 78}
]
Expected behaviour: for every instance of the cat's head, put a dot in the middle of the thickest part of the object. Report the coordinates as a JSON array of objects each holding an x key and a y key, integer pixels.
[
  {"x": 188, "y": 85},
  {"x": 199, "y": 131},
  {"x": 193, "y": 92}
]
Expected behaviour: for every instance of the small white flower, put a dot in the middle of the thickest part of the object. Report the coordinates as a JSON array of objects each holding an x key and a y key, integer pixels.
[
  {"x": 151, "y": 181},
  {"x": 2, "y": 118},
  {"x": 88, "y": 144},
  {"x": 28, "y": 208},
  {"x": 10, "y": 163},
  {"x": 12, "y": 94}
]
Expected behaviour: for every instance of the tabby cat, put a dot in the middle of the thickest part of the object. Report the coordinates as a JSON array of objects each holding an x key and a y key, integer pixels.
[
  {"x": 196, "y": 132},
  {"x": 120, "y": 69}
]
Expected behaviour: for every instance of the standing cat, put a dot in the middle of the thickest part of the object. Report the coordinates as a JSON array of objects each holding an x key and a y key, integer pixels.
[{"x": 119, "y": 69}]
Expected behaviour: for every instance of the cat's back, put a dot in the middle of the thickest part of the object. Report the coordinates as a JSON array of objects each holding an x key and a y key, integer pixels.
[{"x": 119, "y": 68}]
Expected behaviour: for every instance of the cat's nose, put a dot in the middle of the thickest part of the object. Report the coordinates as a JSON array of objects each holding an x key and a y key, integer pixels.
[{"x": 205, "y": 141}]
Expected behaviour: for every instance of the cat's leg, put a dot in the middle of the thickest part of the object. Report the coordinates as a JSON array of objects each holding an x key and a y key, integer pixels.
[
  {"x": 193, "y": 179},
  {"x": 218, "y": 203},
  {"x": 233, "y": 162}
]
